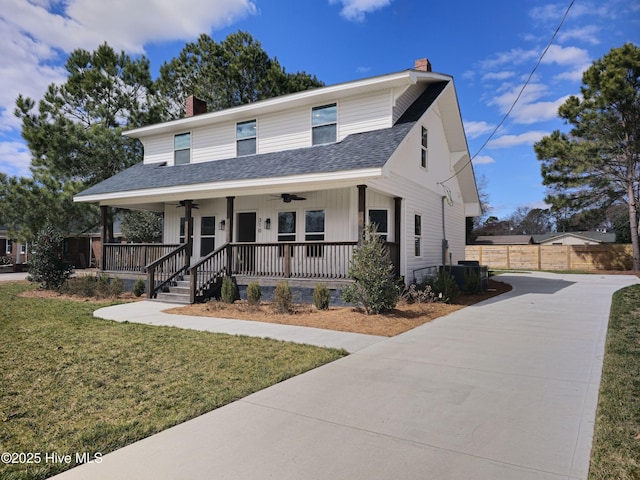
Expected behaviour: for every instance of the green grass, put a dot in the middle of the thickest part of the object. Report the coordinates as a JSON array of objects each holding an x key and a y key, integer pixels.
[
  {"x": 616, "y": 447},
  {"x": 71, "y": 383}
]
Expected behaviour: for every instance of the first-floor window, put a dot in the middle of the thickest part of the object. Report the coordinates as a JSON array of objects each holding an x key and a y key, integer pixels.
[
  {"x": 286, "y": 226},
  {"x": 380, "y": 218},
  {"x": 9, "y": 247},
  {"x": 286, "y": 230},
  {"x": 314, "y": 231},
  {"x": 207, "y": 235},
  {"x": 418, "y": 235}
]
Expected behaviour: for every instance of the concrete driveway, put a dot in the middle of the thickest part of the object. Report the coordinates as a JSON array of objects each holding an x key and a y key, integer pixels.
[{"x": 506, "y": 389}]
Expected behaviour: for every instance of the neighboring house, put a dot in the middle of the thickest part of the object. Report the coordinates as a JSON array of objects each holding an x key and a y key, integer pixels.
[
  {"x": 13, "y": 251},
  {"x": 281, "y": 188},
  {"x": 575, "y": 238},
  {"x": 504, "y": 240}
]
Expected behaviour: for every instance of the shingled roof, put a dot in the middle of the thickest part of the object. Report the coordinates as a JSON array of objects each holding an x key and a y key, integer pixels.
[{"x": 355, "y": 152}]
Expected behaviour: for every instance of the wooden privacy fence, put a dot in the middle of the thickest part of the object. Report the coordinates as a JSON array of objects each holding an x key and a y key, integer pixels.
[{"x": 552, "y": 257}]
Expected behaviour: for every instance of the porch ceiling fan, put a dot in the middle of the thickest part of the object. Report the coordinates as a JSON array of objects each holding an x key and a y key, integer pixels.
[
  {"x": 289, "y": 197},
  {"x": 182, "y": 203}
]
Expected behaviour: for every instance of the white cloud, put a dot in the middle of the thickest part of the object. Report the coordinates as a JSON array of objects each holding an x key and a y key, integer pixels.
[
  {"x": 530, "y": 107},
  {"x": 515, "y": 56},
  {"x": 527, "y": 138},
  {"x": 587, "y": 34},
  {"x": 355, "y": 10},
  {"x": 483, "y": 160},
  {"x": 504, "y": 75},
  {"x": 123, "y": 24},
  {"x": 477, "y": 129},
  {"x": 14, "y": 158},
  {"x": 566, "y": 56}
]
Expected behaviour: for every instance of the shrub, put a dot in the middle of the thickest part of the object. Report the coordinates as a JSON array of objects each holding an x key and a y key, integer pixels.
[
  {"x": 253, "y": 294},
  {"x": 6, "y": 260},
  {"x": 139, "y": 287},
  {"x": 321, "y": 297},
  {"x": 445, "y": 286},
  {"x": 419, "y": 295},
  {"x": 116, "y": 287},
  {"x": 472, "y": 280},
  {"x": 47, "y": 267},
  {"x": 100, "y": 286},
  {"x": 228, "y": 292},
  {"x": 282, "y": 302},
  {"x": 375, "y": 288}
]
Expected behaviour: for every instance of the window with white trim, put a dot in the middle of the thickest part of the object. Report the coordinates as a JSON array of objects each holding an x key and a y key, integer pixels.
[
  {"x": 182, "y": 149},
  {"x": 418, "y": 235},
  {"x": 324, "y": 123},
  {"x": 207, "y": 235},
  {"x": 286, "y": 226},
  {"x": 246, "y": 138},
  {"x": 314, "y": 231},
  {"x": 381, "y": 219},
  {"x": 423, "y": 149}
]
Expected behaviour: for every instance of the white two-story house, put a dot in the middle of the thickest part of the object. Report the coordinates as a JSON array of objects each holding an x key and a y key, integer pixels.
[{"x": 281, "y": 188}]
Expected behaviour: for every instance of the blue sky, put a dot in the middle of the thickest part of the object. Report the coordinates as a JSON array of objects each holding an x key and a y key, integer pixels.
[{"x": 488, "y": 47}]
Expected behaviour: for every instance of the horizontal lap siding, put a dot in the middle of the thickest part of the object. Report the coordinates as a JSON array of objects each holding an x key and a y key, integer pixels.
[
  {"x": 363, "y": 114},
  {"x": 286, "y": 130}
]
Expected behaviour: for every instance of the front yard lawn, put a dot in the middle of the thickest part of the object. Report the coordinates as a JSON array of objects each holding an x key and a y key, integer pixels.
[
  {"x": 616, "y": 445},
  {"x": 73, "y": 384}
]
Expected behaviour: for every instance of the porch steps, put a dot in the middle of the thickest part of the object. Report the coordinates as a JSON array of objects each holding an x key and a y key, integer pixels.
[{"x": 178, "y": 292}]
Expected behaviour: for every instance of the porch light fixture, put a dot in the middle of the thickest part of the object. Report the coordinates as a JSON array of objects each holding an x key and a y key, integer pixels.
[
  {"x": 222, "y": 225},
  {"x": 267, "y": 224}
]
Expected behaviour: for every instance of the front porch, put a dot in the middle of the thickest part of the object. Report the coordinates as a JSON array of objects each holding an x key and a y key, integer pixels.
[{"x": 306, "y": 263}]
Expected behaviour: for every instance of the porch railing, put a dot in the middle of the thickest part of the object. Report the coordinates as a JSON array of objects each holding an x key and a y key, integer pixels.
[
  {"x": 204, "y": 274},
  {"x": 133, "y": 257},
  {"x": 328, "y": 260},
  {"x": 167, "y": 269}
]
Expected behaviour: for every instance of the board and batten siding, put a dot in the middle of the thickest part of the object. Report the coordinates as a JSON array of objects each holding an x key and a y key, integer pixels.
[
  {"x": 286, "y": 130},
  {"x": 337, "y": 204}
]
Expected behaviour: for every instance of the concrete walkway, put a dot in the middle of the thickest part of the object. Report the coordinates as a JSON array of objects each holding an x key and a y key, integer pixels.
[{"x": 506, "y": 389}]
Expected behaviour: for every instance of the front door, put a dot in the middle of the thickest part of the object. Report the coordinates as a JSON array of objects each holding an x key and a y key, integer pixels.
[{"x": 246, "y": 234}]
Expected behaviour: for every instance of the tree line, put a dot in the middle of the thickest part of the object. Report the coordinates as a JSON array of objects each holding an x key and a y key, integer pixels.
[{"x": 592, "y": 171}]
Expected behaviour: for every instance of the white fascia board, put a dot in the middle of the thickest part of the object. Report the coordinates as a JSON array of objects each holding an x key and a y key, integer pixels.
[
  {"x": 235, "y": 187},
  {"x": 292, "y": 100}
]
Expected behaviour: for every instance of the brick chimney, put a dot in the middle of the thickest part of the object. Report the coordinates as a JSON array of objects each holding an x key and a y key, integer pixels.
[
  {"x": 423, "y": 64},
  {"x": 195, "y": 106}
]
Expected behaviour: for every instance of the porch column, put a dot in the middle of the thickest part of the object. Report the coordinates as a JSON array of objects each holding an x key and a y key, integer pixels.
[
  {"x": 229, "y": 219},
  {"x": 362, "y": 210},
  {"x": 106, "y": 234},
  {"x": 229, "y": 233},
  {"x": 397, "y": 232},
  {"x": 188, "y": 234}
]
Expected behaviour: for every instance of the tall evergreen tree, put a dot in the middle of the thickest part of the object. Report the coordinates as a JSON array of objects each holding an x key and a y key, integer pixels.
[
  {"x": 75, "y": 137},
  {"x": 233, "y": 72},
  {"x": 597, "y": 164}
]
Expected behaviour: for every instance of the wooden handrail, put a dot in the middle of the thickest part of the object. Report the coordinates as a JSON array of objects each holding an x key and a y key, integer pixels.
[{"x": 166, "y": 269}]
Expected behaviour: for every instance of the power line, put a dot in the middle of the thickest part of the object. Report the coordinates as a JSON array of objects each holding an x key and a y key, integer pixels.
[{"x": 495, "y": 130}]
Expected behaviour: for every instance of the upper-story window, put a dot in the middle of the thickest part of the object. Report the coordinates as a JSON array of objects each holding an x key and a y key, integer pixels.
[
  {"x": 423, "y": 149},
  {"x": 324, "y": 122},
  {"x": 182, "y": 149},
  {"x": 246, "y": 138}
]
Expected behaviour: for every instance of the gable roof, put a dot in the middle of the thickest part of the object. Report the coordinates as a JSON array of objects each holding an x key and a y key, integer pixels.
[
  {"x": 503, "y": 240},
  {"x": 600, "y": 237}
]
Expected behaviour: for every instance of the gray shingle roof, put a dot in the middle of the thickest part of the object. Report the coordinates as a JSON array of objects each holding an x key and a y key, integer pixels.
[
  {"x": 355, "y": 152},
  {"x": 358, "y": 151}
]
